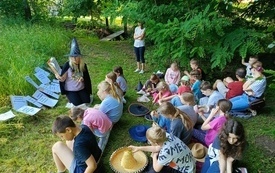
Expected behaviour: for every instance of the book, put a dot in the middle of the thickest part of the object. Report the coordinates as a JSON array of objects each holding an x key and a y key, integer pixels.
[{"x": 54, "y": 66}]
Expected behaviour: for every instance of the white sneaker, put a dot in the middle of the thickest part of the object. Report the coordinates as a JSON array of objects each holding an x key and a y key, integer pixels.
[
  {"x": 137, "y": 70},
  {"x": 141, "y": 92},
  {"x": 141, "y": 72},
  {"x": 124, "y": 101}
]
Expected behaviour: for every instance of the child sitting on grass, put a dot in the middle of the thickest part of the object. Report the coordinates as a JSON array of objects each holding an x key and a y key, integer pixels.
[
  {"x": 85, "y": 153},
  {"x": 172, "y": 75},
  {"x": 150, "y": 86},
  {"x": 163, "y": 93},
  {"x": 194, "y": 64},
  {"x": 169, "y": 153},
  {"x": 181, "y": 125},
  {"x": 96, "y": 120},
  {"x": 211, "y": 126},
  {"x": 228, "y": 146}
]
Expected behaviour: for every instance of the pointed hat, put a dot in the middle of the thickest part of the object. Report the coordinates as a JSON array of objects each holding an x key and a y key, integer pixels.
[{"x": 75, "y": 51}]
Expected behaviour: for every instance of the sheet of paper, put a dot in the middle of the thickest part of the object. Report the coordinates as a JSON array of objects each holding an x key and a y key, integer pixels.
[
  {"x": 40, "y": 70},
  {"x": 29, "y": 79},
  {"x": 33, "y": 101},
  {"x": 6, "y": 115},
  {"x": 28, "y": 110},
  {"x": 44, "y": 99},
  {"x": 18, "y": 102},
  {"x": 55, "y": 81},
  {"x": 54, "y": 87},
  {"x": 48, "y": 92},
  {"x": 42, "y": 78}
]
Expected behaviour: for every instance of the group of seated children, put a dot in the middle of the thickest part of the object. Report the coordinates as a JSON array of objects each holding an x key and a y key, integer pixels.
[
  {"x": 196, "y": 111},
  {"x": 205, "y": 117},
  {"x": 82, "y": 151}
]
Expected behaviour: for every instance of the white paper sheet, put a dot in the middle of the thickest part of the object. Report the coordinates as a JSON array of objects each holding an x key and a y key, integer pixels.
[
  {"x": 29, "y": 79},
  {"x": 42, "y": 77},
  {"x": 54, "y": 87},
  {"x": 44, "y": 99},
  {"x": 48, "y": 92},
  {"x": 33, "y": 101},
  {"x": 40, "y": 70},
  {"x": 6, "y": 115},
  {"x": 28, "y": 110},
  {"x": 18, "y": 102}
]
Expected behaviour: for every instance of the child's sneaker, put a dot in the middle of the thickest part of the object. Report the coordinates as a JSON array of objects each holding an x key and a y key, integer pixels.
[
  {"x": 137, "y": 70},
  {"x": 141, "y": 92},
  {"x": 148, "y": 117},
  {"x": 141, "y": 72}
]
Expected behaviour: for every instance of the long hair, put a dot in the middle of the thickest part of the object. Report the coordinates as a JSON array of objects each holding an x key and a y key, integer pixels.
[
  {"x": 167, "y": 108},
  {"x": 225, "y": 106},
  {"x": 114, "y": 85},
  {"x": 106, "y": 86},
  {"x": 77, "y": 67},
  {"x": 235, "y": 151}
]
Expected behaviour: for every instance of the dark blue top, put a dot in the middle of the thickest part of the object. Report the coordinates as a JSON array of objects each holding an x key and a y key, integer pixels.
[{"x": 85, "y": 145}]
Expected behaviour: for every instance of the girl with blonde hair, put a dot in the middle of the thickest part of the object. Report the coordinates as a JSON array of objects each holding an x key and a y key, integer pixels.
[
  {"x": 181, "y": 124},
  {"x": 111, "y": 103}
]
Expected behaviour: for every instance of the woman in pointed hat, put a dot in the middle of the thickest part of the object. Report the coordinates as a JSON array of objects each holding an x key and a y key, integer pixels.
[{"x": 75, "y": 80}]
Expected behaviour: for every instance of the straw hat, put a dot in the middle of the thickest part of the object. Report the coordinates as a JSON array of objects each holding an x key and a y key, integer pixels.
[
  {"x": 138, "y": 109},
  {"x": 199, "y": 151},
  {"x": 124, "y": 161}
]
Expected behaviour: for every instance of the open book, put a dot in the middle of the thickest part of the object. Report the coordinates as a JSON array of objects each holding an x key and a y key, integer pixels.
[{"x": 54, "y": 66}]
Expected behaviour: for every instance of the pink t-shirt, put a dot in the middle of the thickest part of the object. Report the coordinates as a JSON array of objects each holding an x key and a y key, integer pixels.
[
  {"x": 164, "y": 94},
  {"x": 216, "y": 125},
  {"x": 172, "y": 77},
  {"x": 95, "y": 119}
]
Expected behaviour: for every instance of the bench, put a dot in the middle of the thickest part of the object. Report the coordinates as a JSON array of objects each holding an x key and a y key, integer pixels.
[{"x": 112, "y": 36}]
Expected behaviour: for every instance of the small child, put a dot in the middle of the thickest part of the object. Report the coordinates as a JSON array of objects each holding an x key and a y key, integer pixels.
[
  {"x": 188, "y": 101},
  {"x": 181, "y": 125},
  {"x": 252, "y": 59},
  {"x": 195, "y": 76},
  {"x": 150, "y": 86},
  {"x": 120, "y": 80},
  {"x": 228, "y": 146},
  {"x": 194, "y": 64},
  {"x": 168, "y": 152},
  {"x": 163, "y": 93},
  {"x": 212, "y": 126},
  {"x": 96, "y": 120},
  {"x": 85, "y": 153},
  {"x": 172, "y": 75},
  {"x": 183, "y": 88},
  {"x": 161, "y": 121}
]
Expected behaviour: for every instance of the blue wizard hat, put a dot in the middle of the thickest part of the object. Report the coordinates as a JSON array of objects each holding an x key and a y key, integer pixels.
[{"x": 75, "y": 51}]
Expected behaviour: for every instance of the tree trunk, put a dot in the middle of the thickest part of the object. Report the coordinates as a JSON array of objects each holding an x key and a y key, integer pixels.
[
  {"x": 125, "y": 28},
  {"x": 107, "y": 22},
  {"x": 27, "y": 10}
]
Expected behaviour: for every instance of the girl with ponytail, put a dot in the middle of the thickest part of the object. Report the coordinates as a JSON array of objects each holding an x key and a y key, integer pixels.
[
  {"x": 181, "y": 124},
  {"x": 211, "y": 126},
  {"x": 111, "y": 103}
]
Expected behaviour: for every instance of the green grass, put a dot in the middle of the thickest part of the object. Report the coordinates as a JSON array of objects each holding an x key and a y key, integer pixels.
[{"x": 25, "y": 141}]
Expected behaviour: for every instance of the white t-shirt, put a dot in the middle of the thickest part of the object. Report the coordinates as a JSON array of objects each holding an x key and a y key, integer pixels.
[
  {"x": 175, "y": 154},
  {"x": 138, "y": 32}
]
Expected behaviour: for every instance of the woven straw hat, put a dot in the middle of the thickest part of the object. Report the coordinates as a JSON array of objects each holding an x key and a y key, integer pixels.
[
  {"x": 198, "y": 151},
  {"x": 124, "y": 161}
]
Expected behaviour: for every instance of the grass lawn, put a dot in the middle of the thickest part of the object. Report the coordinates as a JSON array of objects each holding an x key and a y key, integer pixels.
[{"x": 25, "y": 142}]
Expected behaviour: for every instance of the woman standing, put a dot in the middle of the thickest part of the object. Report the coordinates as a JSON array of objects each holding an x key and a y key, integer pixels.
[
  {"x": 75, "y": 80},
  {"x": 139, "y": 47}
]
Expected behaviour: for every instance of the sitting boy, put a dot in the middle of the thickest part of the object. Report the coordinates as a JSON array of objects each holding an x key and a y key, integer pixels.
[
  {"x": 85, "y": 153},
  {"x": 169, "y": 153},
  {"x": 230, "y": 88}
]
